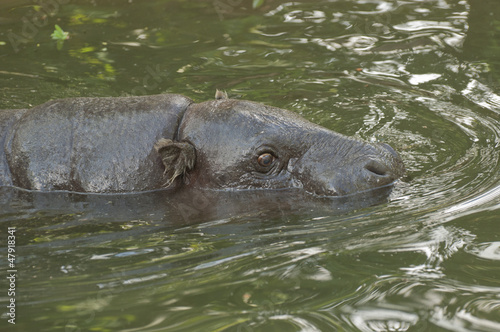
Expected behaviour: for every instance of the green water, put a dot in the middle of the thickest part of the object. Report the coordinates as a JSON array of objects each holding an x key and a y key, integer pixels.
[{"x": 422, "y": 76}]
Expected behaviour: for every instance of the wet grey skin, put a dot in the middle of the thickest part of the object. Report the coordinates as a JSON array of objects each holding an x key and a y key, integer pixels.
[{"x": 134, "y": 144}]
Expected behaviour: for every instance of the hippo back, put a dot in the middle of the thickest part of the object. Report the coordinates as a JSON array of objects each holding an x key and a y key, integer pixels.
[{"x": 93, "y": 144}]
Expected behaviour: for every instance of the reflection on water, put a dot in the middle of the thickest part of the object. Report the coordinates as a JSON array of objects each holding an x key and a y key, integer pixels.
[{"x": 419, "y": 75}]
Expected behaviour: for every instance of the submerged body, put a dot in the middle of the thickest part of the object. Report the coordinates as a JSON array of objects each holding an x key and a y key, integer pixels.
[{"x": 133, "y": 144}]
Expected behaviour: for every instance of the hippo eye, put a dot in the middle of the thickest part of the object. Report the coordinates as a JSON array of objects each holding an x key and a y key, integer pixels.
[{"x": 265, "y": 160}]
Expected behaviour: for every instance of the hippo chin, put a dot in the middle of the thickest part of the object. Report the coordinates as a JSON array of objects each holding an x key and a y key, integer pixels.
[{"x": 131, "y": 144}]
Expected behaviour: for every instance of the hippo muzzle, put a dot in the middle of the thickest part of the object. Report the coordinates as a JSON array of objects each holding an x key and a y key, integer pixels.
[{"x": 341, "y": 166}]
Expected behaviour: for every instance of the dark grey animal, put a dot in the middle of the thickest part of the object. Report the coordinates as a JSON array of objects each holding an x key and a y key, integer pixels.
[{"x": 132, "y": 144}]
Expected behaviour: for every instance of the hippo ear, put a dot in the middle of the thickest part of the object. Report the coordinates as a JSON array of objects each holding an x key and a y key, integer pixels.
[{"x": 178, "y": 158}]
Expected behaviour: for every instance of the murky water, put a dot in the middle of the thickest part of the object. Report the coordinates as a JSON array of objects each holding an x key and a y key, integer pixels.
[{"x": 419, "y": 75}]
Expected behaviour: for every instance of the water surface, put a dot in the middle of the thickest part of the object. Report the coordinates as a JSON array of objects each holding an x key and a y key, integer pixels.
[{"x": 421, "y": 76}]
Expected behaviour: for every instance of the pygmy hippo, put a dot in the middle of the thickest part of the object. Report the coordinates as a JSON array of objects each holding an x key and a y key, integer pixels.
[{"x": 132, "y": 144}]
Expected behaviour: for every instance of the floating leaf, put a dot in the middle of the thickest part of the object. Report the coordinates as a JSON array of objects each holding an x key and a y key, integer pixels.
[{"x": 59, "y": 34}]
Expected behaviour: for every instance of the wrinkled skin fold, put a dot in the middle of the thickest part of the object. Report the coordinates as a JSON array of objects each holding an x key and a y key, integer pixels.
[{"x": 134, "y": 144}]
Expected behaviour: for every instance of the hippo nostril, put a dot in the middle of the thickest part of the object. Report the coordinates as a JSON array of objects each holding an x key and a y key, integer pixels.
[{"x": 376, "y": 168}]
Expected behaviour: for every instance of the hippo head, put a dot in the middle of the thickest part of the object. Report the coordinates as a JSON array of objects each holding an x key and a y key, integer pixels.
[{"x": 233, "y": 144}]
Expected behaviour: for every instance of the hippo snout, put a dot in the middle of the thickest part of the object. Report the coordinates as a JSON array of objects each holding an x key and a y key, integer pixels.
[{"x": 355, "y": 167}]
